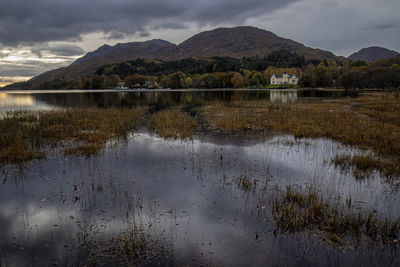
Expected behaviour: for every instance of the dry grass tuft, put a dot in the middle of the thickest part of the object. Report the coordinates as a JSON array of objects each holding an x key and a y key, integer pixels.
[
  {"x": 133, "y": 247},
  {"x": 24, "y": 134},
  {"x": 370, "y": 122},
  {"x": 364, "y": 165},
  {"x": 173, "y": 124},
  {"x": 297, "y": 211}
]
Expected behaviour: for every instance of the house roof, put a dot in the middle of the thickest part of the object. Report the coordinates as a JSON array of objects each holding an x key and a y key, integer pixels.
[{"x": 280, "y": 76}]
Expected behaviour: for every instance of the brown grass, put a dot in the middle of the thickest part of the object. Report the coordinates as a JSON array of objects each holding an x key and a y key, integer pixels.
[
  {"x": 23, "y": 135},
  {"x": 364, "y": 165},
  {"x": 371, "y": 122},
  {"x": 85, "y": 150},
  {"x": 173, "y": 124},
  {"x": 245, "y": 183}
]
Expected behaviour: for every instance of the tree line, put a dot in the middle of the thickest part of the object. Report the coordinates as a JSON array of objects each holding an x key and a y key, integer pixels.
[{"x": 227, "y": 72}]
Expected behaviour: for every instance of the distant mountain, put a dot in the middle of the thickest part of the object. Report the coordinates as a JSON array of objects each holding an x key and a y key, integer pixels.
[
  {"x": 373, "y": 54},
  {"x": 234, "y": 42}
]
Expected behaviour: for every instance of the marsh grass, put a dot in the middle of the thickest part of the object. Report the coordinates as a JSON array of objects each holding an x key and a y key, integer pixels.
[
  {"x": 296, "y": 211},
  {"x": 245, "y": 183},
  {"x": 364, "y": 165},
  {"x": 24, "y": 135},
  {"x": 370, "y": 122},
  {"x": 173, "y": 123},
  {"x": 133, "y": 247},
  {"x": 85, "y": 150}
]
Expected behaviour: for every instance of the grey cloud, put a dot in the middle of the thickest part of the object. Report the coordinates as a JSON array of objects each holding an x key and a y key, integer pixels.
[
  {"x": 11, "y": 79},
  {"x": 66, "y": 50},
  {"x": 62, "y": 50},
  {"x": 341, "y": 26},
  {"x": 2, "y": 54},
  {"x": 37, "y": 21},
  {"x": 383, "y": 26},
  {"x": 115, "y": 35},
  {"x": 234, "y": 11},
  {"x": 28, "y": 68},
  {"x": 6, "y": 79}
]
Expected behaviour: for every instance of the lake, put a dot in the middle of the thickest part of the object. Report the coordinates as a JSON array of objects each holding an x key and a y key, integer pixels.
[
  {"x": 45, "y": 100},
  {"x": 184, "y": 198}
]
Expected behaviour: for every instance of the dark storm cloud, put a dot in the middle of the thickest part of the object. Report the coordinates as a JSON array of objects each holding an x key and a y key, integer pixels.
[{"x": 36, "y": 21}]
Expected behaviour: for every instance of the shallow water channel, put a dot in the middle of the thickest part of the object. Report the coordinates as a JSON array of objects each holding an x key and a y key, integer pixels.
[{"x": 187, "y": 199}]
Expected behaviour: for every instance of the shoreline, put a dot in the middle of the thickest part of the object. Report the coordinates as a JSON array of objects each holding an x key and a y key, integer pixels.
[{"x": 48, "y": 91}]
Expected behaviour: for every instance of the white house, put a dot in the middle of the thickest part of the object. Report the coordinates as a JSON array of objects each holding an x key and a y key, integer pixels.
[{"x": 285, "y": 78}]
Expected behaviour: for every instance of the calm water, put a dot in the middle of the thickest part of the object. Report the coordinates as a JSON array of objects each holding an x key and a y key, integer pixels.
[
  {"x": 44, "y": 100},
  {"x": 184, "y": 194}
]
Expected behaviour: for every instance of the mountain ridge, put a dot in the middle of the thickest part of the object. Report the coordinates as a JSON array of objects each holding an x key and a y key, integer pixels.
[
  {"x": 244, "y": 41},
  {"x": 236, "y": 42}
]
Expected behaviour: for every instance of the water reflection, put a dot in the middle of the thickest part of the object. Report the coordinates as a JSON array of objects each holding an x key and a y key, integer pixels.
[
  {"x": 155, "y": 99},
  {"x": 187, "y": 192},
  {"x": 14, "y": 102},
  {"x": 283, "y": 96},
  {"x": 10, "y": 102}
]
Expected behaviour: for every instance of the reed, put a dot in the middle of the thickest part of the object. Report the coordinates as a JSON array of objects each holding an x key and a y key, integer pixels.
[
  {"x": 131, "y": 248},
  {"x": 364, "y": 165},
  {"x": 296, "y": 211},
  {"x": 173, "y": 123},
  {"x": 245, "y": 183}
]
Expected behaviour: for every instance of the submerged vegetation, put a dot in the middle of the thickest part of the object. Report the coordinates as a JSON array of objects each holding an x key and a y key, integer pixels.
[
  {"x": 173, "y": 124},
  {"x": 24, "y": 135},
  {"x": 297, "y": 211}
]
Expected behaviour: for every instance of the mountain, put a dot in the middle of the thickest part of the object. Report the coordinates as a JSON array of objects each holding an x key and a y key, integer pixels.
[
  {"x": 128, "y": 51},
  {"x": 244, "y": 41},
  {"x": 234, "y": 42},
  {"x": 373, "y": 54},
  {"x": 104, "y": 55}
]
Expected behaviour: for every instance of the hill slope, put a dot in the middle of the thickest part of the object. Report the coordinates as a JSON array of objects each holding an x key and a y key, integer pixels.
[
  {"x": 244, "y": 41},
  {"x": 234, "y": 42},
  {"x": 373, "y": 54},
  {"x": 128, "y": 51}
]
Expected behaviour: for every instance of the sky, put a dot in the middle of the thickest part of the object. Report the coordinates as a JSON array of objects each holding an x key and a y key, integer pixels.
[{"x": 40, "y": 35}]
